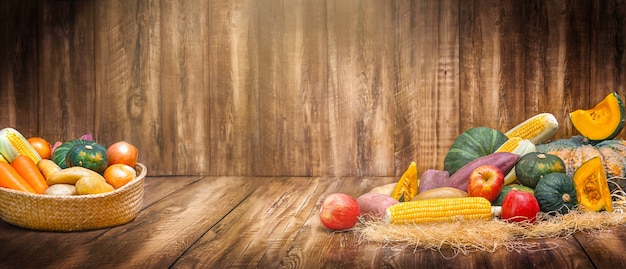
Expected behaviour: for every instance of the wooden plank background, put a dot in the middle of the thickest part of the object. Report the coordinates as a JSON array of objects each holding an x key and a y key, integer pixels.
[{"x": 304, "y": 87}]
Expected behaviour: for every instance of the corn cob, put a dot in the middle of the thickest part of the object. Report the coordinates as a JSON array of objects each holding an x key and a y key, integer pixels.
[
  {"x": 12, "y": 144},
  {"x": 518, "y": 146},
  {"x": 440, "y": 209},
  {"x": 537, "y": 129}
]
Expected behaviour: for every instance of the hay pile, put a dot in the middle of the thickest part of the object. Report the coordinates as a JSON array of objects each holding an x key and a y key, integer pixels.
[{"x": 489, "y": 236}]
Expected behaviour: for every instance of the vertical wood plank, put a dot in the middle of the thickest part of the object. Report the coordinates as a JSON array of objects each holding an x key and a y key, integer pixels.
[
  {"x": 19, "y": 94},
  {"x": 427, "y": 117},
  {"x": 292, "y": 53},
  {"x": 567, "y": 61},
  {"x": 492, "y": 62},
  {"x": 66, "y": 69},
  {"x": 184, "y": 70},
  {"x": 557, "y": 61},
  {"x": 608, "y": 51},
  {"x": 128, "y": 69},
  {"x": 233, "y": 76},
  {"x": 361, "y": 87}
]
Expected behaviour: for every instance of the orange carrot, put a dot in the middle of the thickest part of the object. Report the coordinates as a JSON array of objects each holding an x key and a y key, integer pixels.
[
  {"x": 30, "y": 173},
  {"x": 9, "y": 178}
]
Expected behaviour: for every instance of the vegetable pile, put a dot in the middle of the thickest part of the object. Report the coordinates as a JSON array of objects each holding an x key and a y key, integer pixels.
[
  {"x": 76, "y": 167},
  {"x": 498, "y": 189}
]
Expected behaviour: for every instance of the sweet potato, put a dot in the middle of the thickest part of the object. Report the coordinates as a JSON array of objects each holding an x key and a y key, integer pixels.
[
  {"x": 432, "y": 179},
  {"x": 505, "y": 161},
  {"x": 373, "y": 205}
]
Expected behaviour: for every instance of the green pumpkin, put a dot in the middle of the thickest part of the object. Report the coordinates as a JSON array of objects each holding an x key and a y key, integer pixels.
[
  {"x": 534, "y": 165},
  {"x": 60, "y": 153},
  {"x": 506, "y": 189},
  {"x": 577, "y": 150},
  {"x": 91, "y": 156},
  {"x": 556, "y": 193},
  {"x": 470, "y": 145}
]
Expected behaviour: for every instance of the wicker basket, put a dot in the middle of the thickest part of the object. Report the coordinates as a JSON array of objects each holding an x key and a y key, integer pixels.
[{"x": 74, "y": 213}]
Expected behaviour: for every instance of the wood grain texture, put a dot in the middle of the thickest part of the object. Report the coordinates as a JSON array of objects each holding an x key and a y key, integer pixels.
[
  {"x": 128, "y": 70},
  {"x": 301, "y": 88},
  {"x": 492, "y": 47},
  {"x": 361, "y": 88},
  {"x": 66, "y": 72},
  {"x": 233, "y": 75},
  {"x": 608, "y": 50},
  {"x": 270, "y": 222},
  {"x": 596, "y": 244},
  {"x": 426, "y": 98},
  {"x": 18, "y": 51}
]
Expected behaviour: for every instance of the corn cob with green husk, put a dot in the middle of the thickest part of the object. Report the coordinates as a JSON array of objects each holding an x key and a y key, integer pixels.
[
  {"x": 518, "y": 146},
  {"x": 537, "y": 129},
  {"x": 12, "y": 144}
]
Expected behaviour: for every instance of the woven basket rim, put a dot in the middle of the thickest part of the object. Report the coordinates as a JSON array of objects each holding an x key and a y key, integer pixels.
[
  {"x": 139, "y": 166},
  {"x": 77, "y": 212}
]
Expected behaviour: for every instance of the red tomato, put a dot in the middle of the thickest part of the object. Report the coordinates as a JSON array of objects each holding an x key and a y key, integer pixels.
[
  {"x": 122, "y": 152},
  {"x": 42, "y": 146}
]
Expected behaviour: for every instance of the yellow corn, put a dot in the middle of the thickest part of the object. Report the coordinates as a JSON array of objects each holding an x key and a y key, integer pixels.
[
  {"x": 12, "y": 144},
  {"x": 518, "y": 146},
  {"x": 439, "y": 209},
  {"x": 537, "y": 129},
  {"x": 510, "y": 145}
]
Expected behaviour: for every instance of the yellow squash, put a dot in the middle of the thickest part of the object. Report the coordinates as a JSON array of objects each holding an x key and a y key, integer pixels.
[{"x": 407, "y": 186}]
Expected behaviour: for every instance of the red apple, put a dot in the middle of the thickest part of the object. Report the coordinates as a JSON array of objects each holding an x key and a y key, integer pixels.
[
  {"x": 485, "y": 181},
  {"x": 519, "y": 206},
  {"x": 339, "y": 211}
]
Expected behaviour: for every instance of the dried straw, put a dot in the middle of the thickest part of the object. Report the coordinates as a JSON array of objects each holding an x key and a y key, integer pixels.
[{"x": 465, "y": 236}]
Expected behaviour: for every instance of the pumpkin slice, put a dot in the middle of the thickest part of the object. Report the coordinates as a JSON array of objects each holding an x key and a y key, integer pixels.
[
  {"x": 592, "y": 189},
  {"x": 407, "y": 186},
  {"x": 603, "y": 121}
]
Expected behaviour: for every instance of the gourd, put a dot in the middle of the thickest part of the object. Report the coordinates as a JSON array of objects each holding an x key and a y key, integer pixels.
[
  {"x": 470, "y": 145},
  {"x": 592, "y": 190},
  {"x": 577, "y": 150},
  {"x": 602, "y": 122},
  {"x": 556, "y": 193},
  {"x": 60, "y": 153},
  {"x": 533, "y": 166},
  {"x": 91, "y": 156}
]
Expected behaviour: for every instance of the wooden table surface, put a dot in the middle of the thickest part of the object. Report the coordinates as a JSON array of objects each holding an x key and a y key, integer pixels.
[{"x": 222, "y": 222}]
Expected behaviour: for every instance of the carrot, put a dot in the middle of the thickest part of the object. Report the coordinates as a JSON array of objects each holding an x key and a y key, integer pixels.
[
  {"x": 9, "y": 178},
  {"x": 29, "y": 171}
]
